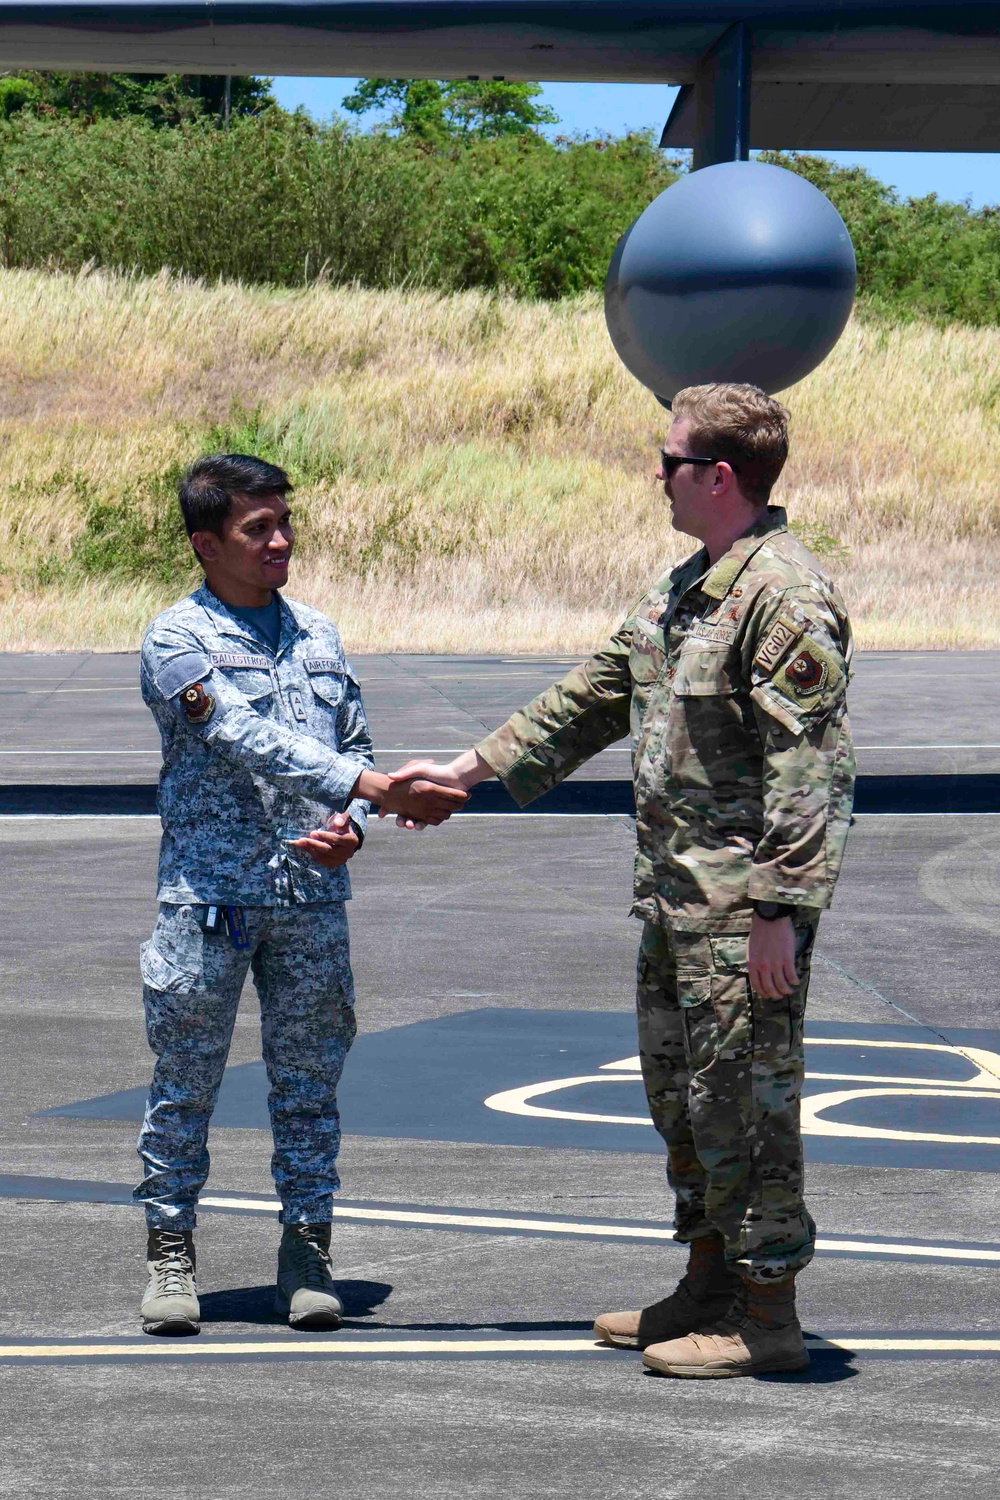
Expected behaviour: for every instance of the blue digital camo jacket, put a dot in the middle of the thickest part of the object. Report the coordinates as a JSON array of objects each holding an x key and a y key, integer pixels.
[{"x": 280, "y": 748}]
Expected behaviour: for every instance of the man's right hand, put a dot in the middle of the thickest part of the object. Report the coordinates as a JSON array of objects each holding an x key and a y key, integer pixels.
[
  {"x": 421, "y": 801},
  {"x": 417, "y": 798},
  {"x": 462, "y": 773}
]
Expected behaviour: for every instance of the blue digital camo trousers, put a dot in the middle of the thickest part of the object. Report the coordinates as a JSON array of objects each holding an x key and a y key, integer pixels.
[
  {"x": 192, "y": 981},
  {"x": 723, "y": 1070}
]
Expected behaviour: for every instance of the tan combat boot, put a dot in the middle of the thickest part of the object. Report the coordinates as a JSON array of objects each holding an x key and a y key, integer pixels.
[
  {"x": 703, "y": 1296},
  {"x": 170, "y": 1302},
  {"x": 760, "y": 1335},
  {"x": 305, "y": 1293}
]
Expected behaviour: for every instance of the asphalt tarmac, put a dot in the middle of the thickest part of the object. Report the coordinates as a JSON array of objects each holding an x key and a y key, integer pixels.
[
  {"x": 494, "y": 961},
  {"x": 80, "y": 720}
]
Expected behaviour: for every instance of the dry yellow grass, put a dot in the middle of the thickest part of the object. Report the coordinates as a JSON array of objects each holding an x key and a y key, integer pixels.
[{"x": 477, "y": 471}]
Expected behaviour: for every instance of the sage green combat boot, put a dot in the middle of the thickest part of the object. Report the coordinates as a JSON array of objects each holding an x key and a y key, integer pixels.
[
  {"x": 701, "y": 1298},
  {"x": 759, "y": 1336},
  {"x": 170, "y": 1302},
  {"x": 305, "y": 1293}
]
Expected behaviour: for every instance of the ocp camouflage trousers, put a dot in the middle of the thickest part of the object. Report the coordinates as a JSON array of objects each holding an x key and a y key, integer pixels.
[
  {"x": 300, "y": 959},
  {"x": 723, "y": 1070}
]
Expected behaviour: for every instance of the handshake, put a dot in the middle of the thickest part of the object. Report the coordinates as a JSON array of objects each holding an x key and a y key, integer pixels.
[
  {"x": 420, "y": 793},
  {"x": 427, "y": 791}
]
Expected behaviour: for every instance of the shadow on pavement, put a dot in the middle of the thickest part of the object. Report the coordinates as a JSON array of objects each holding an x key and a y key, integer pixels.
[
  {"x": 255, "y": 1304},
  {"x": 552, "y": 1327},
  {"x": 826, "y": 1367}
]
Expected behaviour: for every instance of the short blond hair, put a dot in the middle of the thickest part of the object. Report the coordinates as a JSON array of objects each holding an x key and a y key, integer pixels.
[{"x": 741, "y": 424}]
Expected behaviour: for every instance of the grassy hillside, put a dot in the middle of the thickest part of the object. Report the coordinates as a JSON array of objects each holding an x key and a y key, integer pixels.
[{"x": 474, "y": 473}]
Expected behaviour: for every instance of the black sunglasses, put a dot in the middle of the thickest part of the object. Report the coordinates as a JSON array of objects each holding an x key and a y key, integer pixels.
[{"x": 671, "y": 462}]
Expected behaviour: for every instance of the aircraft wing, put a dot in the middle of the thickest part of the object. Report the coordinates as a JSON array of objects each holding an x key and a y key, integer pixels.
[{"x": 826, "y": 73}]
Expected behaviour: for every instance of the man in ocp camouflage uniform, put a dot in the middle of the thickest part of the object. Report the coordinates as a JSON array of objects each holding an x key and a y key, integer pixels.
[
  {"x": 264, "y": 738},
  {"x": 731, "y": 675}
]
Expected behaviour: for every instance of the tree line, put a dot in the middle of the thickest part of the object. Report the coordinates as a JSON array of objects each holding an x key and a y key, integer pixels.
[{"x": 455, "y": 187}]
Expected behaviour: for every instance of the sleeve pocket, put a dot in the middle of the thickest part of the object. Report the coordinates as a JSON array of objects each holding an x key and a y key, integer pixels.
[{"x": 648, "y": 653}]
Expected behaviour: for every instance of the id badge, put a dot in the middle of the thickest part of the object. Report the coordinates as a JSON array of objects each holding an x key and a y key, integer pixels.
[{"x": 236, "y": 922}]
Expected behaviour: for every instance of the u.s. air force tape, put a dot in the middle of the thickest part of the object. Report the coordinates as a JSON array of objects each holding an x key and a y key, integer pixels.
[{"x": 183, "y": 672}]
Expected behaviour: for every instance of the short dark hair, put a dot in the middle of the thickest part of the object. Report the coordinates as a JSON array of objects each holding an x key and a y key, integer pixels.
[
  {"x": 208, "y": 488},
  {"x": 742, "y": 425}
]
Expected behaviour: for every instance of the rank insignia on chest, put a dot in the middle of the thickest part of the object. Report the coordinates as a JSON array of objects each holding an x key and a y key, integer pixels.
[
  {"x": 731, "y": 607},
  {"x": 806, "y": 672},
  {"x": 198, "y": 705},
  {"x": 297, "y": 705}
]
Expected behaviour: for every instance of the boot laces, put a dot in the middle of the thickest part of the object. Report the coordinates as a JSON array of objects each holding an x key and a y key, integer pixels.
[
  {"x": 172, "y": 1266},
  {"x": 311, "y": 1260}
]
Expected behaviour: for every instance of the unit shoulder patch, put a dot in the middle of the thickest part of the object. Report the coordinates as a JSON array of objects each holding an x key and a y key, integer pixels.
[
  {"x": 812, "y": 677},
  {"x": 198, "y": 705},
  {"x": 782, "y": 635},
  {"x": 807, "y": 672}
]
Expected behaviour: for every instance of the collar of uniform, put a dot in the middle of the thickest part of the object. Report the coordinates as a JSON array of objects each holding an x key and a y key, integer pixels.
[
  {"x": 720, "y": 578},
  {"x": 226, "y": 623},
  {"x": 291, "y": 628}
]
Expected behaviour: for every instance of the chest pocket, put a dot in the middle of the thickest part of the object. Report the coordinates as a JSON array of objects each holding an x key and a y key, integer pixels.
[
  {"x": 328, "y": 679},
  {"x": 649, "y": 650},
  {"x": 704, "y": 672},
  {"x": 257, "y": 686},
  {"x": 249, "y": 675}
]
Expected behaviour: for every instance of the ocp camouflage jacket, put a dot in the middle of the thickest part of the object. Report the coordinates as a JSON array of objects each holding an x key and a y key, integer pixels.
[
  {"x": 732, "y": 678},
  {"x": 281, "y": 748}
]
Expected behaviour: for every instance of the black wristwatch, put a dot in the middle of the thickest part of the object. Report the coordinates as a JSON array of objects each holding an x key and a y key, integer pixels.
[{"x": 770, "y": 911}]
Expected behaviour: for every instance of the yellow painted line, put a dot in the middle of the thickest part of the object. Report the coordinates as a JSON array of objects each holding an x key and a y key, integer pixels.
[
  {"x": 348, "y": 1347},
  {"x": 433, "y": 1220}
]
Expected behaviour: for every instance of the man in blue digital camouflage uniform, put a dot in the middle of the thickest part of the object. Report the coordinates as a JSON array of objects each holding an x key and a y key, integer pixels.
[{"x": 267, "y": 775}]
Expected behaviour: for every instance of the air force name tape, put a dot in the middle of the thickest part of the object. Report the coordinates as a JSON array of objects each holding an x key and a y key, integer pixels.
[
  {"x": 239, "y": 659},
  {"x": 724, "y": 634},
  {"x": 318, "y": 664}
]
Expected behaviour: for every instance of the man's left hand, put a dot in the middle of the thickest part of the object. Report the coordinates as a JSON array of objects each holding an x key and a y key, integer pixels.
[
  {"x": 771, "y": 957},
  {"x": 331, "y": 846}
]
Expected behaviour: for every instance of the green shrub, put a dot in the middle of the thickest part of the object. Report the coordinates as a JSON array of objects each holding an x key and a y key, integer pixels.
[
  {"x": 136, "y": 535},
  {"x": 916, "y": 256},
  {"x": 278, "y": 199}
]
